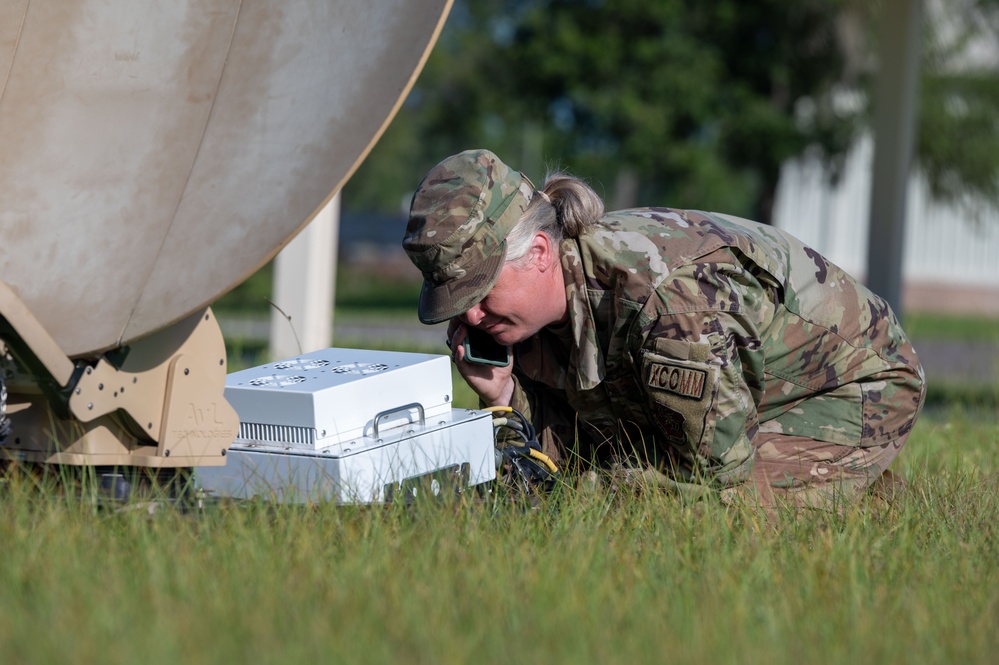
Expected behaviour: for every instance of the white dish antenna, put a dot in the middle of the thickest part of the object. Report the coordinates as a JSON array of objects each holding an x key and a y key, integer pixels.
[{"x": 155, "y": 154}]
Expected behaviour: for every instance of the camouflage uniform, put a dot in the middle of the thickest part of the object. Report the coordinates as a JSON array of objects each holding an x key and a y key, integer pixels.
[
  {"x": 721, "y": 350},
  {"x": 714, "y": 349}
]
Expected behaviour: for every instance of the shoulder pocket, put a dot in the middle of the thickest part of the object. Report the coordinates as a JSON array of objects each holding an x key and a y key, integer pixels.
[{"x": 682, "y": 387}]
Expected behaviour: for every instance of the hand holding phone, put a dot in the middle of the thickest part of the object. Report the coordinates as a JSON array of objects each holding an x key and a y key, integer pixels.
[{"x": 481, "y": 348}]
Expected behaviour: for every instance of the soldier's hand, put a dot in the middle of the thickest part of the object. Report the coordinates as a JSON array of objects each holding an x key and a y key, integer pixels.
[{"x": 492, "y": 383}]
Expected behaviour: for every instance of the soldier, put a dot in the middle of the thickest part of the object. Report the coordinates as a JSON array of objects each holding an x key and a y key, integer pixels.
[{"x": 713, "y": 350}]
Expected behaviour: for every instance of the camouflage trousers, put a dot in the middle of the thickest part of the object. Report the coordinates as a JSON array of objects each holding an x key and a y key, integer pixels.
[
  {"x": 786, "y": 470},
  {"x": 805, "y": 473}
]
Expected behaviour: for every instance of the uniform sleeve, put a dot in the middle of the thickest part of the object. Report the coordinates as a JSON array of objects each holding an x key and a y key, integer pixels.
[
  {"x": 701, "y": 363},
  {"x": 520, "y": 400}
]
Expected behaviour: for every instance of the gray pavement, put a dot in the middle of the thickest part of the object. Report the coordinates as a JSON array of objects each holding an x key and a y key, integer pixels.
[{"x": 956, "y": 361}]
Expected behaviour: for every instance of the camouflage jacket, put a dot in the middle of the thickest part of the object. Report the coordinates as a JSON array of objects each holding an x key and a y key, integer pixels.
[{"x": 688, "y": 331}]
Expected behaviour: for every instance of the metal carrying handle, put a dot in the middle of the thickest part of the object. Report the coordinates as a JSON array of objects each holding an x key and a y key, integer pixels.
[{"x": 398, "y": 409}]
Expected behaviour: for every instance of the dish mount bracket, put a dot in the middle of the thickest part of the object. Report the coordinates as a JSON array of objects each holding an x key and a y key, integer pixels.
[{"x": 157, "y": 402}]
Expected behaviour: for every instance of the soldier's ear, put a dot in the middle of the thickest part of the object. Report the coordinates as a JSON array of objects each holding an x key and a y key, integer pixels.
[{"x": 544, "y": 252}]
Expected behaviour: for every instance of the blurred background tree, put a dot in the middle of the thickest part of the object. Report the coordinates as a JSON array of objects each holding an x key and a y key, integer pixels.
[
  {"x": 682, "y": 103},
  {"x": 958, "y": 130}
]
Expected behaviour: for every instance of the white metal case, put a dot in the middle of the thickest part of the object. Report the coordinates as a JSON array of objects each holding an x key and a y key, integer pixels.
[{"x": 350, "y": 426}]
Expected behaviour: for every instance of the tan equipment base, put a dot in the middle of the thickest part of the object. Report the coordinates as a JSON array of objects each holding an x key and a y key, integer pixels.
[{"x": 156, "y": 403}]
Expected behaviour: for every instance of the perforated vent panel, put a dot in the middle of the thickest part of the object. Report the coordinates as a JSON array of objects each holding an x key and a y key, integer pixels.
[
  {"x": 302, "y": 364},
  {"x": 281, "y": 434},
  {"x": 360, "y": 368},
  {"x": 276, "y": 380}
]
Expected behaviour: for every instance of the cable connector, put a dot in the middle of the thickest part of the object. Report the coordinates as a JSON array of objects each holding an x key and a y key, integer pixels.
[{"x": 524, "y": 467}]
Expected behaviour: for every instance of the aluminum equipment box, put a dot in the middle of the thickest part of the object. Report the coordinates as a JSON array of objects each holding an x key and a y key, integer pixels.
[{"x": 350, "y": 426}]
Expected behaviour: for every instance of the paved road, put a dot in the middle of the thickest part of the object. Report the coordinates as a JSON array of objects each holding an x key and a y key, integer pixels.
[
  {"x": 944, "y": 360},
  {"x": 956, "y": 361}
]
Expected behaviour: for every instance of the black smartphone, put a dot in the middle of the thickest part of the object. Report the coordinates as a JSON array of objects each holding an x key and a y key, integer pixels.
[{"x": 480, "y": 347}]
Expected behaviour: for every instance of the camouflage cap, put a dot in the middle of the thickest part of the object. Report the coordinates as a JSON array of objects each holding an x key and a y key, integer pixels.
[{"x": 458, "y": 223}]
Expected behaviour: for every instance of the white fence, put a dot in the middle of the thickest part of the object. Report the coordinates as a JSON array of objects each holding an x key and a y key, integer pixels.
[{"x": 945, "y": 245}]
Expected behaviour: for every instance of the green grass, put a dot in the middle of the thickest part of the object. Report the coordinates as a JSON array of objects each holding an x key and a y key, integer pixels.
[
  {"x": 367, "y": 293},
  {"x": 360, "y": 291},
  {"x": 966, "y": 328},
  {"x": 590, "y": 577}
]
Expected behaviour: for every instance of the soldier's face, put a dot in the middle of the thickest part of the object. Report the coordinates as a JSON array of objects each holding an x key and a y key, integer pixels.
[{"x": 516, "y": 308}]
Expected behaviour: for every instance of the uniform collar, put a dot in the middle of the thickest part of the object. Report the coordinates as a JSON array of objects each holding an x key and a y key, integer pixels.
[{"x": 586, "y": 358}]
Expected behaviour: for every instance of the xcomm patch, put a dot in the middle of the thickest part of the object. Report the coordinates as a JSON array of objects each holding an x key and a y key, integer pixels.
[{"x": 677, "y": 379}]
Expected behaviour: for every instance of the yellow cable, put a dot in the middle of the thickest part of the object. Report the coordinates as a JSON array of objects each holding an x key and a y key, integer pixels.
[
  {"x": 536, "y": 454},
  {"x": 544, "y": 459}
]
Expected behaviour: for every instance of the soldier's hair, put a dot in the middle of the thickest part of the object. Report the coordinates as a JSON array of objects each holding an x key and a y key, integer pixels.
[{"x": 564, "y": 208}]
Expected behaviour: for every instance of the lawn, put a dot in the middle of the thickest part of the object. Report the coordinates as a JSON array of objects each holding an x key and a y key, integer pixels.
[
  {"x": 596, "y": 576},
  {"x": 589, "y": 576}
]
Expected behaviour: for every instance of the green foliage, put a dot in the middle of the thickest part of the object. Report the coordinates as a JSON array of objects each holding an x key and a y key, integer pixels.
[
  {"x": 695, "y": 102},
  {"x": 361, "y": 291},
  {"x": 692, "y": 105},
  {"x": 250, "y": 296},
  {"x": 959, "y": 136},
  {"x": 958, "y": 132}
]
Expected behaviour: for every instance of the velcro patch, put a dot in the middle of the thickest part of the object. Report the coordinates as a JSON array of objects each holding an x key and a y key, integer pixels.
[
  {"x": 671, "y": 424},
  {"x": 677, "y": 379}
]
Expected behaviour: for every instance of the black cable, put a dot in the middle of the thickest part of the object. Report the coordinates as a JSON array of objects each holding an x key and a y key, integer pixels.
[{"x": 531, "y": 469}]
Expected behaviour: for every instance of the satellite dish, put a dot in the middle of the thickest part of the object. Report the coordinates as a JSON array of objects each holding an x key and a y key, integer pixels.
[{"x": 155, "y": 154}]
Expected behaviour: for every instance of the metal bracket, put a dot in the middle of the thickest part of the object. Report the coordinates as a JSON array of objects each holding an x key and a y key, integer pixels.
[{"x": 164, "y": 406}]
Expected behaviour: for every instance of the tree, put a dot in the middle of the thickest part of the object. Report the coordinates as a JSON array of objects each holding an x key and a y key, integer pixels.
[
  {"x": 681, "y": 102},
  {"x": 692, "y": 103},
  {"x": 958, "y": 131}
]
